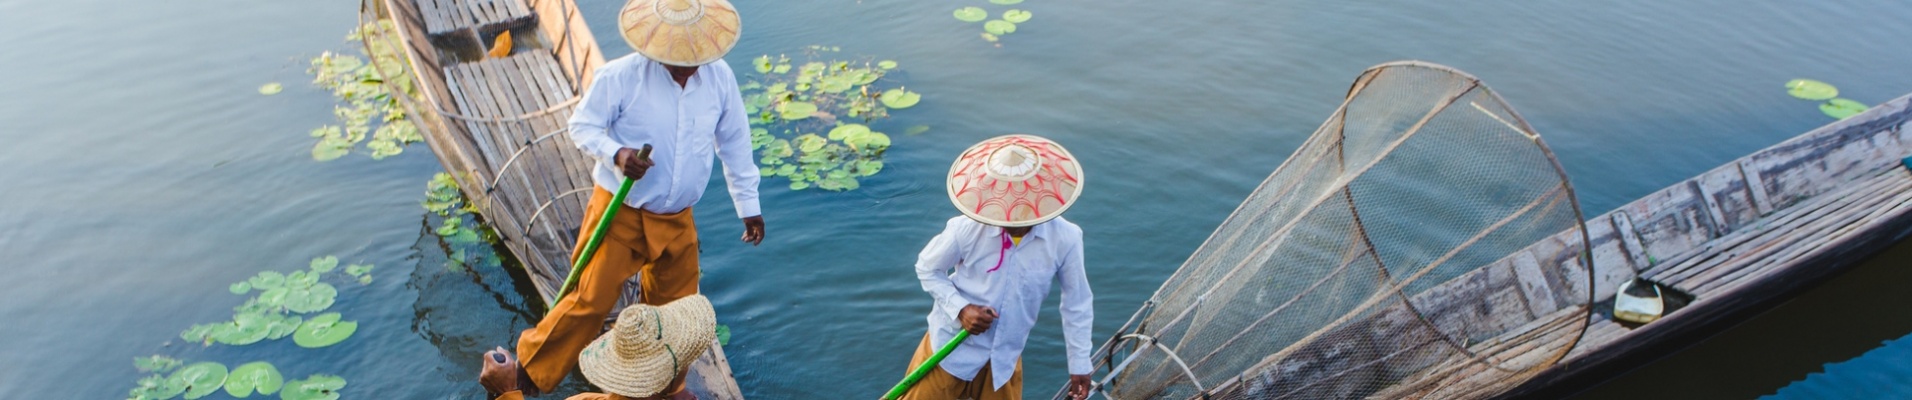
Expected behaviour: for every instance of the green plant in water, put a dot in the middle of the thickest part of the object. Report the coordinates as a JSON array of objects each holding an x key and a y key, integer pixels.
[
  {"x": 270, "y": 315},
  {"x": 467, "y": 240},
  {"x": 1811, "y": 90},
  {"x": 723, "y": 335},
  {"x": 315, "y": 387},
  {"x": 971, "y": 14},
  {"x": 155, "y": 363},
  {"x": 1017, "y": 16},
  {"x": 323, "y": 330},
  {"x": 810, "y": 118},
  {"x": 361, "y": 89},
  {"x": 999, "y": 27},
  {"x": 200, "y": 379},
  {"x": 1842, "y": 108},
  {"x": 271, "y": 88},
  {"x": 254, "y": 376}
]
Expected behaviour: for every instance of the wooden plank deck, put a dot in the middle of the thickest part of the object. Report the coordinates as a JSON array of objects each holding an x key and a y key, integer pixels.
[{"x": 498, "y": 125}]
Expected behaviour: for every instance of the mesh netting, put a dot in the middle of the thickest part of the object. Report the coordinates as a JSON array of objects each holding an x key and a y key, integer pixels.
[{"x": 1412, "y": 247}]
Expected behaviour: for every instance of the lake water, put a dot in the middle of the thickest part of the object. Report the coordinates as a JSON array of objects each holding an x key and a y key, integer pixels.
[{"x": 143, "y": 173}]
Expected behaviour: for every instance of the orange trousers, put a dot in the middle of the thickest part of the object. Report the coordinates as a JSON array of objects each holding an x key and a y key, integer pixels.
[
  {"x": 940, "y": 385},
  {"x": 661, "y": 250}
]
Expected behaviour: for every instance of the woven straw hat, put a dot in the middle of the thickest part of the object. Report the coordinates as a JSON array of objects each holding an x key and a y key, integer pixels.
[
  {"x": 1015, "y": 181},
  {"x": 685, "y": 33},
  {"x": 649, "y": 346}
]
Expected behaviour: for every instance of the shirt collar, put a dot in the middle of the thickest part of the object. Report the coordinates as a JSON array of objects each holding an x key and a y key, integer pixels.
[{"x": 1040, "y": 230}]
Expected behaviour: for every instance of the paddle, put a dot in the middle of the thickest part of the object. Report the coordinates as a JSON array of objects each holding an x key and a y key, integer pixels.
[
  {"x": 922, "y": 370},
  {"x": 597, "y": 235}
]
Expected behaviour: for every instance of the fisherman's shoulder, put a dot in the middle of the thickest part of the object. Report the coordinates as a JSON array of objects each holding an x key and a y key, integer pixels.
[
  {"x": 1063, "y": 226},
  {"x": 961, "y": 224}
]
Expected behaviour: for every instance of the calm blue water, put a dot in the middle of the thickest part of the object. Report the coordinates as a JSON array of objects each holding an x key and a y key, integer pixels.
[{"x": 142, "y": 173}]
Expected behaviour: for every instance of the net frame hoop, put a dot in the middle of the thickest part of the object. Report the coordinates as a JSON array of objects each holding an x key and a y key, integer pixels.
[{"x": 1563, "y": 191}]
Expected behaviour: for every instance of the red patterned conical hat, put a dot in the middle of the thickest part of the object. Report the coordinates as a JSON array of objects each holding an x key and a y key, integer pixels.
[
  {"x": 1015, "y": 181},
  {"x": 685, "y": 33}
]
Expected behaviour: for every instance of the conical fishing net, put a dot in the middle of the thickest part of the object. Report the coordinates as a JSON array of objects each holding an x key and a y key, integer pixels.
[{"x": 1423, "y": 243}]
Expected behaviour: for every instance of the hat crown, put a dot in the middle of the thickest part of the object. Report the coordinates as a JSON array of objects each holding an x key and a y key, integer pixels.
[
  {"x": 1013, "y": 163},
  {"x": 637, "y": 332},
  {"x": 680, "y": 12}
]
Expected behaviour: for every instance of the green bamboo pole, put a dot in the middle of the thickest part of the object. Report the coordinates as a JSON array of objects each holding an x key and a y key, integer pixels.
[
  {"x": 597, "y": 235},
  {"x": 922, "y": 370}
]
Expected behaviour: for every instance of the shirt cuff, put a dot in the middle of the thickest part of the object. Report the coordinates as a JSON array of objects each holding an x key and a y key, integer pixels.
[
  {"x": 748, "y": 208},
  {"x": 1080, "y": 366},
  {"x": 955, "y": 304}
]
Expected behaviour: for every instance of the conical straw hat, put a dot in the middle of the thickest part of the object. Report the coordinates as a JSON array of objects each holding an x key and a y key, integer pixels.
[
  {"x": 1015, "y": 181},
  {"x": 685, "y": 33},
  {"x": 649, "y": 346}
]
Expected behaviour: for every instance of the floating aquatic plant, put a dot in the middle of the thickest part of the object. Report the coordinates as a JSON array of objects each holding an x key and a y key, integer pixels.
[
  {"x": 467, "y": 240},
  {"x": 723, "y": 335},
  {"x": 200, "y": 379},
  {"x": 971, "y": 14},
  {"x": 269, "y": 315},
  {"x": 271, "y": 88},
  {"x": 810, "y": 117},
  {"x": 257, "y": 376},
  {"x": 155, "y": 363},
  {"x": 1017, "y": 16},
  {"x": 156, "y": 387},
  {"x": 1842, "y": 108},
  {"x": 315, "y": 387},
  {"x": 1811, "y": 90},
  {"x": 361, "y": 90},
  {"x": 999, "y": 27},
  {"x": 323, "y": 330}
]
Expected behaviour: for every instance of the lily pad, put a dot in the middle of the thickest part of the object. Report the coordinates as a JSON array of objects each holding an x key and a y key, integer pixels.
[
  {"x": 971, "y": 14},
  {"x": 300, "y": 279},
  {"x": 273, "y": 298},
  {"x": 811, "y": 143},
  {"x": 323, "y": 330},
  {"x": 282, "y": 326},
  {"x": 797, "y": 110},
  {"x": 267, "y": 280},
  {"x": 723, "y": 335},
  {"x": 324, "y": 264},
  {"x": 155, "y": 363},
  {"x": 1811, "y": 90},
  {"x": 330, "y": 149},
  {"x": 999, "y": 27},
  {"x": 763, "y": 64},
  {"x": 239, "y": 288},
  {"x": 312, "y": 299},
  {"x": 1842, "y": 108},
  {"x": 886, "y": 64},
  {"x": 271, "y": 89},
  {"x": 990, "y": 38},
  {"x": 1006, "y": 2},
  {"x": 200, "y": 379},
  {"x": 358, "y": 269},
  {"x": 1017, "y": 16},
  {"x": 315, "y": 387},
  {"x": 899, "y": 98},
  {"x": 156, "y": 387},
  {"x": 848, "y": 130},
  {"x": 871, "y": 141},
  {"x": 248, "y": 377},
  {"x": 243, "y": 330}
]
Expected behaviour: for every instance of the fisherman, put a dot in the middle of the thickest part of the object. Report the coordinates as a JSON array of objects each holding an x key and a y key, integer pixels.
[
  {"x": 1005, "y": 251},
  {"x": 639, "y": 358},
  {"x": 676, "y": 94}
]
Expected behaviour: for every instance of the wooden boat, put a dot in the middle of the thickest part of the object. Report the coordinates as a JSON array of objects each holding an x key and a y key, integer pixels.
[
  {"x": 498, "y": 125},
  {"x": 1722, "y": 246}
]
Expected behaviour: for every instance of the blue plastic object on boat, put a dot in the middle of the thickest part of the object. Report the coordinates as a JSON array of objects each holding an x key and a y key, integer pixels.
[{"x": 1908, "y": 162}]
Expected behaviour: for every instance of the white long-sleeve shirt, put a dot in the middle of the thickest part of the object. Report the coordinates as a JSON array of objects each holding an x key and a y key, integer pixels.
[
  {"x": 1051, "y": 252},
  {"x": 633, "y": 102}
]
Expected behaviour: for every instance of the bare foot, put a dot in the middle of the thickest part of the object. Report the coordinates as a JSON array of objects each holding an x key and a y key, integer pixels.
[{"x": 500, "y": 374}]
